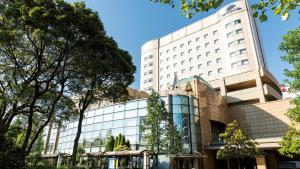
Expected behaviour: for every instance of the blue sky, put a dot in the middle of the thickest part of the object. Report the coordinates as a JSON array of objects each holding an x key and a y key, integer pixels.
[{"x": 133, "y": 22}]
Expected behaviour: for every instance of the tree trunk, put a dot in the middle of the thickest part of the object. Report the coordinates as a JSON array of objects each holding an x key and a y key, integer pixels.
[
  {"x": 239, "y": 164},
  {"x": 156, "y": 161},
  {"x": 75, "y": 146},
  {"x": 228, "y": 164}
]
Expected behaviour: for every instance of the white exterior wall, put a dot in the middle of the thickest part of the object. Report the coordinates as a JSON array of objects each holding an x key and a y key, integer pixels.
[{"x": 186, "y": 52}]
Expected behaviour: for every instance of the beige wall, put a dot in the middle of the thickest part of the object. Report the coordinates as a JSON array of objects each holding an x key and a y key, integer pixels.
[{"x": 263, "y": 120}]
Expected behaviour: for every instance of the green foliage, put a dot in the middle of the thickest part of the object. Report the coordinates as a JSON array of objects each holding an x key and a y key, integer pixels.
[
  {"x": 291, "y": 46},
  {"x": 110, "y": 144},
  {"x": 237, "y": 144},
  {"x": 191, "y": 7},
  {"x": 80, "y": 151},
  {"x": 157, "y": 116},
  {"x": 290, "y": 144},
  {"x": 9, "y": 153},
  {"x": 121, "y": 144}
]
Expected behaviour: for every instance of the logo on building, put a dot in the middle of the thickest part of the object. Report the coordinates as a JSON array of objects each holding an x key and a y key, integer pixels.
[{"x": 230, "y": 8}]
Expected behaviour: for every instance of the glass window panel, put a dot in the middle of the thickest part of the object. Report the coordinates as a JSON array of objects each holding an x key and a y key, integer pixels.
[
  {"x": 90, "y": 113},
  {"x": 118, "y": 115},
  {"x": 89, "y": 127},
  {"x": 108, "y": 109},
  {"x": 98, "y": 119},
  {"x": 131, "y": 138},
  {"x": 176, "y": 108},
  {"x": 184, "y": 109},
  {"x": 97, "y": 126},
  {"x": 142, "y": 103},
  {"x": 142, "y": 112},
  {"x": 130, "y": 131},
  {"x": 108, "y": 117},
  {"x": 131, "y": 105},
  {"x": 84, "y": 121},
  {"x": 89, "y": 120},
  {"x": 165, "y": 99},
  {"x": 131, "y": 113},
  {"x": 104, "y": 133},
  {"x": 99, "y": 112},
  {"x": 119, "y": 107},
  {"x": 118, "y": 123},
  {"x": 117, "y": 131},
  {"x": 130, "y": 122},
  {"x": 107, "y": 125}
]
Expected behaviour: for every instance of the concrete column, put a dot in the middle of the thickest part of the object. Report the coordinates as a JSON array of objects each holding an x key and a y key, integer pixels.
[
  {"x": 56, "y": 138},
  {"x": 47, "y": 138},
  {"x": 223, "y": 91},
  {"x": 259, "y": 86},
  {"x": 261, "y": 162},
  {"x": 146, "y": 160}
]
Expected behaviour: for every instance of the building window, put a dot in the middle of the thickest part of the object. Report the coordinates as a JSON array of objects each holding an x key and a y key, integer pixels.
[
  {"x": 198, "y": 48},
  {"x": 220, "y": 70},
  {"x": 145, "y": 65},
  {"x": 168, "y": 75},
  {"x": 182, "y": 53},
  {"x": 243, "y": 51},
  {"x": 239, "y": 31},
  {"x": 201, "y": 74},
  {"x": 218, "y": 60},
  {"x": 174, "y": 56},
  {"x": 182, "y": 62},
  {"x": 199, "y": 66},
  {"x": 198, "y": 56},
  {"x": 175, "y": 64},
  {"x": 217, "y": 50},
  {"x": 191, "y": 68},
  {"x": 245, "y": 62},
  {"x": 161, "y": 53},
  {"x": 207, "y": 54},
  {"x": 168, "y": 58},
  {"x": 208, "y": 63},
  {"x": 209, "y": 73},
  {"x": 190, "y": 59},
  {"x": 236, "y": 42},
  {"x": 216, "y": 41},
  {"x": 145, "y": 73},
  {"x": 234, "y": 65},
  {"x": 181, "y": 45},
  {"x": 161, "y": 69},
  {"x": 240, "y": 41},
  {"x": 189, "y": 42},
  {"x": 205, "y": 36},
  {"x": 206, "y": 44},
  {"x": 168, "y": 51},
  {"x": 235, "y": 22},
  {"x": 145, "y": 58},
  {"x": 215, "y": 32},
  {"x": 161, "y": 61},
  {"x": 174, "y": 48},
  {"x": 150, "y": 72},
  {"x": 229, "y": 34},
  {"x": 183, "y": 70},
  {"x": 161, "y": 77},
  {"x": 151, "y": 63},
  {"x": 168, "y": 66},
  {"x": 190, "y": 51},
  {"x": 197, "y": 39}
]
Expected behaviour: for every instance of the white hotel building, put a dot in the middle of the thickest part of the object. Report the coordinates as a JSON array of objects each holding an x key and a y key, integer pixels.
[{"x": 223, "y": 48}]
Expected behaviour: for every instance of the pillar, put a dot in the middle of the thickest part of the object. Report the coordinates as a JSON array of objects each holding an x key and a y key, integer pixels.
[
  {"x": 261, "y": 162},
  {"x": 260, "y": 87},
  {"x": 47, "y": 138},
  {"x": 146, "y": 160}
]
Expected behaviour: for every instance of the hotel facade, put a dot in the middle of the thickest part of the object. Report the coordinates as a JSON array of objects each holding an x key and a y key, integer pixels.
[
  {"x": 223, "y": 48},
  {"x": 208, "y": 73}
]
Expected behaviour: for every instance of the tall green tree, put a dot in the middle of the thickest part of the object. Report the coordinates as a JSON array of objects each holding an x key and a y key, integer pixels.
[
  {"x": 192, "y": 7},
  {"x": 110, "y": 144},
  {"x": 290, "y": 45},
  {"x": 237, "y": 145},
  {"x": 155, "y": 124}
]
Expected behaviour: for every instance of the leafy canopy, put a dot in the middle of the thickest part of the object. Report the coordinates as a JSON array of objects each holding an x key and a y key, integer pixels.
[
  {"x": 192, "y": 7},
  {"x": 290, "y": 144},
  {"x": 237, "y": 144}
]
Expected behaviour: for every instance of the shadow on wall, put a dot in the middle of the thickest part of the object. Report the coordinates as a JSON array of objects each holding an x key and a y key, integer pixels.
[{"x": 262, "y": 120}]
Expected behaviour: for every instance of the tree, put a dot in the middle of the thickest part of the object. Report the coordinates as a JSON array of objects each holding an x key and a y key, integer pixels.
[
  {"x": 104, "y": 75},
  {"x": 38, "y": 44},
  {"x": 237, "y": 145},
  {"x": 109, "y": 146},
  {"x": 192, "y": 7},
  {"x": 173, "y": 143},
  {"x": 156, "y": 119},
  {"x": 290, "y": 144},
  {"x": 291, "y": 46}
]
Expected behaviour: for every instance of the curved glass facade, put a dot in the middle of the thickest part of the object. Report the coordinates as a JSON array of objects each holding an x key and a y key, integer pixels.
[{"x": 126, "y": 119}]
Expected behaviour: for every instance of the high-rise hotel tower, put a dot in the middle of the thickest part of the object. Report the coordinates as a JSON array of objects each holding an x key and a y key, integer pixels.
[{"x": 224, "y": 49}]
